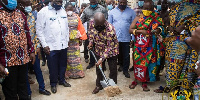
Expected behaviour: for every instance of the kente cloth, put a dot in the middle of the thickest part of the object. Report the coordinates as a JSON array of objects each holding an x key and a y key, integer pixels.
[
  {"x": 74, "y": 67},
  {"x": 180, "y": 60},
  {"x": 147, "y": 49}
]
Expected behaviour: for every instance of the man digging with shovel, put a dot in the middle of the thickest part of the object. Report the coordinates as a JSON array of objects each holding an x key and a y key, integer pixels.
[{"x": 103, "y": 37}]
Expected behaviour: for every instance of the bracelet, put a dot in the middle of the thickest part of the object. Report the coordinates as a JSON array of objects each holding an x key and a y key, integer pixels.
[{"x": 134, "y": 31}]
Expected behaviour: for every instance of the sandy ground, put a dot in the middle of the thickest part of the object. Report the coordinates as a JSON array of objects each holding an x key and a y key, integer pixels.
[{"x": 82, "y": 88}]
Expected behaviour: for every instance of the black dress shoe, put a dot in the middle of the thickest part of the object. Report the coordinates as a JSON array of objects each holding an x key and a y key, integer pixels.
[
  {"x": 96, "y": 90},
  {"x": 89, "y": 66},
  {"x": 53, "y": 89},
  {"x": 43, "y": 63},
  {"x": 120, "y": 69},
  {"x": 65, "y": 84},
  {"x": 127, "y": 75},
  {"x": 44, "y": 92}
]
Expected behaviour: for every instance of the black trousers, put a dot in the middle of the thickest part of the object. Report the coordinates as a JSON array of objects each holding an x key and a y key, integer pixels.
[
  {"x": 86, "y": 56},
  {"x": 124, "y": 56},
  {"x": 112, "y": 62},
  {"x": 15, "y": 84}
]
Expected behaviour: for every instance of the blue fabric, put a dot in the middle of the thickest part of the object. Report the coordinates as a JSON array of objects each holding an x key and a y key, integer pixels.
[
  {"x": 12, "y": 4},
  {"x": 140, "y": 3},
  {"x": 152, "y": 77},
  {"x": 158, "y": 7},
  {"x": 34, "y": 14},
  {"x": 110, "y": 7},
  {"x": 122, "y": 21},
  {"x": 132, "y": 37},
  {"x": 57, "y": 64},
  {"x": 38, "y": 73},
  {"x": 93, "y": 6}
]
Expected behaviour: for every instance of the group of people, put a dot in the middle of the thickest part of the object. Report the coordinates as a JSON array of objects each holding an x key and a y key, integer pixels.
[{"x": 157, "y": 36}]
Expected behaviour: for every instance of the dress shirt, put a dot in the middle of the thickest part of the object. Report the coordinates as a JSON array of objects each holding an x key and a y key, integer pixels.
[
  {"x": 15, "y": 39},
  {"x": 122, "y": 20},
  {"x": 106, "y": 44},
  {"x": 52, "y": 28}
]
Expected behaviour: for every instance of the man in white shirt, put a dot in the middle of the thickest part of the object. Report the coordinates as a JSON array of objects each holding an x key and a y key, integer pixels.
[{"x": 53, "y": 32}]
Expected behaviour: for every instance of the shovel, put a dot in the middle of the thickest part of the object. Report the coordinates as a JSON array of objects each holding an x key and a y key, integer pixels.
[{"x": 108, "y": 84}]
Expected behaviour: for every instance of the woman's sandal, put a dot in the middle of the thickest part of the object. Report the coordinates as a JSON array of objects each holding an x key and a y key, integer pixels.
[
  {"x": 133, "y": 85},
  {"x": 145, "y": 88}
]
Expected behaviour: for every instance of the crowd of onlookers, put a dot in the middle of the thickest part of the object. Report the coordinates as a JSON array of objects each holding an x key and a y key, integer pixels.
[{"x": 163, "y": 39}]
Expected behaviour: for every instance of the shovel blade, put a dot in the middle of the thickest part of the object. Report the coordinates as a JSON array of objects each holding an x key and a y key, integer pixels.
[{"x": 110, "y": 82}]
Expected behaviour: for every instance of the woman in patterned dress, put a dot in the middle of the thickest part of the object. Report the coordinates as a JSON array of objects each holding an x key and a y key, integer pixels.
[
  {"x": 179, "y": 58},
  {"x": 77, "y": 34},
  {"x": 147, "y": 29}
]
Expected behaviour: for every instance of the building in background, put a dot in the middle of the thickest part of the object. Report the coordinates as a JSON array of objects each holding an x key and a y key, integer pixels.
[{"x": 132, "y": 3}]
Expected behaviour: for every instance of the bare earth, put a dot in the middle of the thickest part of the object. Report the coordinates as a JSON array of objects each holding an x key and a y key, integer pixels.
[{"x": 82, "y": 88}]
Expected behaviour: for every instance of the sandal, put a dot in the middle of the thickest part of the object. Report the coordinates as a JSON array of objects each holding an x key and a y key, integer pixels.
[
  {"x": 160, "y": 90},
  {"x": 145, "y": 88},
  {"x": 133, "y": 85}
]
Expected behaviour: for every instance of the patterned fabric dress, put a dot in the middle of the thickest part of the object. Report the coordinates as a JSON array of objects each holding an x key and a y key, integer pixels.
[
  {"x": 180, "y": 60},
  {"x": 147, "y": 49},
  {"x": 74, "y": 67}
]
